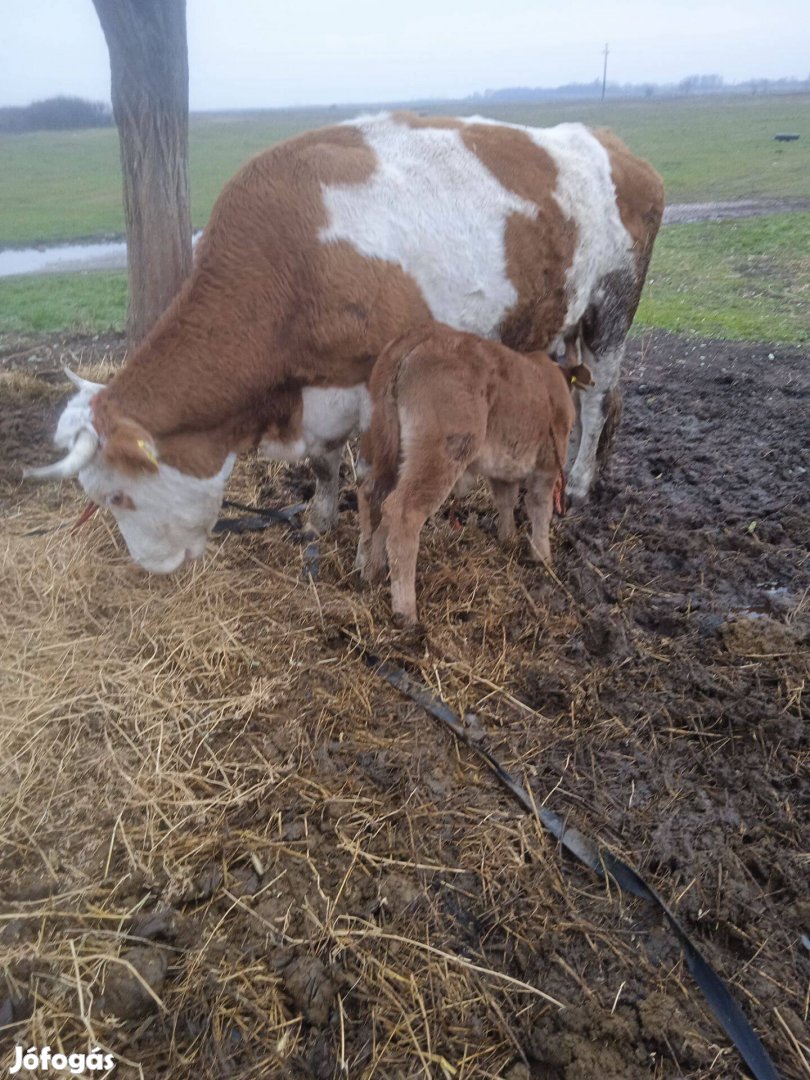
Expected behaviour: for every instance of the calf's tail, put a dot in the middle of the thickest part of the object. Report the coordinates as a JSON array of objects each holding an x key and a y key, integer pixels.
[
  {"x": 560, "y": 502},
  {"x": 386, "y": 438}
]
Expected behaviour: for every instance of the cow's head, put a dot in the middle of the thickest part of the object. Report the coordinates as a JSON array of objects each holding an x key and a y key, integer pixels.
[{"x": 165, "y": 515}]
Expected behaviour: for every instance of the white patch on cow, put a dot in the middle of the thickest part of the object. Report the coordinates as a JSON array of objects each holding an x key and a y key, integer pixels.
[
  {"x": 276, "y": 450},
  {"x": 172, "y": 513},
  {"x": 330, "y": 416},
  {"x": 434, "y": 209},
  {"x": 586, "y": 193},
  {"x": 333, "y": 414}
]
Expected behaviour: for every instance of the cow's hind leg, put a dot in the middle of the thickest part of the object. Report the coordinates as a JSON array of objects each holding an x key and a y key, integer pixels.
[{"x": 323, "y": 510}]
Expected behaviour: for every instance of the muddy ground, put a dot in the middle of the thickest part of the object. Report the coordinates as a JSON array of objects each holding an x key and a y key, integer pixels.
[{"x": 322, "y": 884}]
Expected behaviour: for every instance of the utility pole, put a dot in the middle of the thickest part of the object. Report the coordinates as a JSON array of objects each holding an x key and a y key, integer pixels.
[{"x": 604, "y": 73}]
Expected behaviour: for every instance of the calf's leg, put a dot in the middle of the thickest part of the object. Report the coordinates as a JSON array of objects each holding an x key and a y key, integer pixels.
[
  {"x": 422, "y": 489},
  {"x": 373, "y": 531},
  {"x": 505, "y": 496},
  {"x": 540, "y": 507},
  {"x": 364, "y": 517}
]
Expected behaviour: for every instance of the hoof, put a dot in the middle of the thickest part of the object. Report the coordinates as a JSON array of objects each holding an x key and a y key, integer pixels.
[
  {"x": 321, "y": 518},
  {"x": 408, "y": 625},
  {"x": 319, "y": 524},
  {"x": 408, "y": 635},
  {"x": 575, "y": 497}
]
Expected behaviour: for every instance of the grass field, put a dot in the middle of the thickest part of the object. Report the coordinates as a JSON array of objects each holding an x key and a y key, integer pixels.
[
  {"x": 741, "y": 280},
  {"x": 79, "y": 303},
  {"x": 744, "y": 280}
]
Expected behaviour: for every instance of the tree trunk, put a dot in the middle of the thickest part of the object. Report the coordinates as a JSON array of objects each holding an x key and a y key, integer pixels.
[{"x": 149, "y": 67}]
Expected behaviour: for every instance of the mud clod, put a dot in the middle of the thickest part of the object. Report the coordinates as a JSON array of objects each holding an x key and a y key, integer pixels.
[
  {"x": 310, "y": 988},
  {"x": 125, "y": 995}
]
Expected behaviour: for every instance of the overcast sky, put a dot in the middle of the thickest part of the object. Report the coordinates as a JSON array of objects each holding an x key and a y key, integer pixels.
[{"x": 254, "y": 53}]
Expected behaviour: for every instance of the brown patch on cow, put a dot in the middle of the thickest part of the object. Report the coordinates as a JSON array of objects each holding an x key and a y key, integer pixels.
[
  {"x": 542, "y": 302},
  {"x": 125, "y": 444},
  {"x": 539, "y": 250},
  {"x": 339, "y": 155},
  {"x": 412, "y": 120},
  {"x": 639, "y": 196}
]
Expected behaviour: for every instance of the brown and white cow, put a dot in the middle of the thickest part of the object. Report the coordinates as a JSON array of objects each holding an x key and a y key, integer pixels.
[
  {"x": 321, "y": 251},
  {"x": 445, "y": 403}
]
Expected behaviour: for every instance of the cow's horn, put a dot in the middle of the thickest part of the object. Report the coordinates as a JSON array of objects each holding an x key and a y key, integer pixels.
[
  {"x": 80, "y": 455},
  {"x": 83, "y": 384}
]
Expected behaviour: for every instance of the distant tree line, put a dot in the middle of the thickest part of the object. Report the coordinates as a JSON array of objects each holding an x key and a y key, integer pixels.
[
  {"x": 55, "y": 114},
  {"x": 692, "y": 84}
]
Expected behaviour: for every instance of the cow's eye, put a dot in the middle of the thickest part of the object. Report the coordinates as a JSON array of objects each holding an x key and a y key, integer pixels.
[{"x": 120, "y": 501}]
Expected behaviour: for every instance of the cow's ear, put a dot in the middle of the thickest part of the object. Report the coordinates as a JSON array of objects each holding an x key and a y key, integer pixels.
[
  {"x": 129, "y": 448},
  {"x": 580, "y": 376}
]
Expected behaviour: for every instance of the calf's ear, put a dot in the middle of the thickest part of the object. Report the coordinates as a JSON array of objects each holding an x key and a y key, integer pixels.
[
  {"x": 130, "y": 448},
  {"x": 580, "y": 376}
]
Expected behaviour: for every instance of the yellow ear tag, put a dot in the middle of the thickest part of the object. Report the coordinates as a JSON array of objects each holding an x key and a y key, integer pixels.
[
  {"x": 573, "y": 379},
  {"x": 149, "y": 453}
]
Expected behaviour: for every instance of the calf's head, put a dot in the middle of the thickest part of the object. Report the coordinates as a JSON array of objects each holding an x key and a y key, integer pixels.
[
  {"x": 578, "y": 375},
  {"x": 164, "y": 515}
]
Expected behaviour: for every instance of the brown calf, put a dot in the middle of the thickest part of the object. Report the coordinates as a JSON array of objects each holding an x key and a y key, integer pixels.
[{"x": 444, "y": 403}]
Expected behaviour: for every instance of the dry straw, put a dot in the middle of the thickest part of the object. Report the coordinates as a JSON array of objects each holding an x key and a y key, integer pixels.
[{"x": 227, "y": 850}]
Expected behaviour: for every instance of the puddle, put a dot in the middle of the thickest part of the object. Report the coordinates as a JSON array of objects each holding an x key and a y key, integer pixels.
[
  {"x": 67, "y": 258},
  {"x": 64, "y": 259}
]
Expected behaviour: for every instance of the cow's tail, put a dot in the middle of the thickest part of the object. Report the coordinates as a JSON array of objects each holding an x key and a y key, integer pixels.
[{"x": 560, "y": 505}]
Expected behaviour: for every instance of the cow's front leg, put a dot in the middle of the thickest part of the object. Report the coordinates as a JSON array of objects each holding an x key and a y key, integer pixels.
[
  {"x": 592, "y": 411},
  {"x": 362, "y": 470},
  {"x": 323, "y": 510},
  {"x": 371, "y": 557}
]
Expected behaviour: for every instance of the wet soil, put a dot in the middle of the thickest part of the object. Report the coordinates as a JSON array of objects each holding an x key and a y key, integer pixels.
[{"x": 655, "y": 694}]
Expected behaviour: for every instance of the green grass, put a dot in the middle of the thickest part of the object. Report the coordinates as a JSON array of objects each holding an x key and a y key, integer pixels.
[
  {"x": 65, "y": 185},
  {"x": 741, "y": 280},
  {"x": 58, "y": 186},
  {"x": 744, "y": 280},
  {"x": 87, "y": 303}
]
